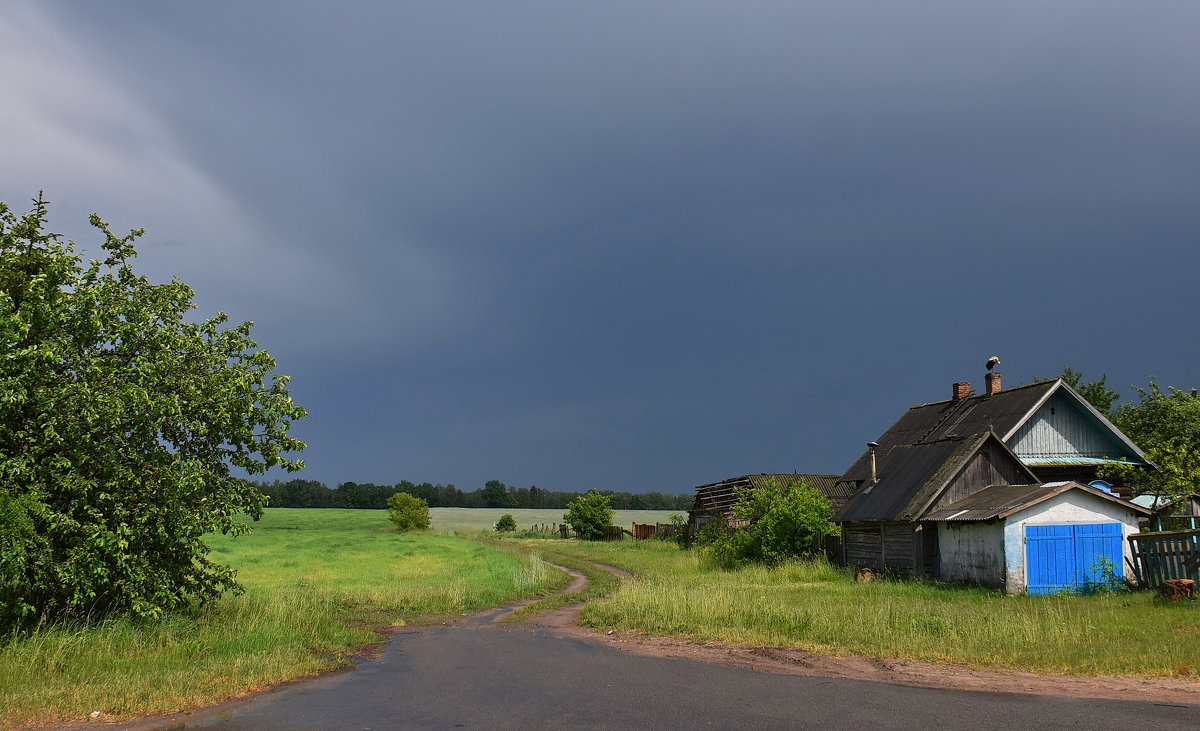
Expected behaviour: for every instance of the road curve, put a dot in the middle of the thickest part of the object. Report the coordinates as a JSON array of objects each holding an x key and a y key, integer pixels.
[{"x": 487, "y": 675}]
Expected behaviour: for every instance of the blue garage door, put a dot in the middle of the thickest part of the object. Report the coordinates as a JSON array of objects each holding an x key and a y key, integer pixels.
[{"x": 1068, "y": 557}]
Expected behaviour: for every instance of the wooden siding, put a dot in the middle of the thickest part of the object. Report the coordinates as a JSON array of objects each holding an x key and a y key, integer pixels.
[
  {"x": 862, "y": 545},
  {"x": 991, "y": 466},
  {"x": 930, "y": 557},
  {"x": 901, "y": 548},
  {"x": 1060, "y": 428}
]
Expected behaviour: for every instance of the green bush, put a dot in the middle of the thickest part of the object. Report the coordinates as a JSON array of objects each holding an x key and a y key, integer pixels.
[
  {"x": 125, "y": 422},
  {"x": 679, "y": 533},
  {"x": 408, "y": 512},
  {"x": 506, "y": 524},
  {"x": 784, "y": 523},
  {"x": 589, "y": 515}
]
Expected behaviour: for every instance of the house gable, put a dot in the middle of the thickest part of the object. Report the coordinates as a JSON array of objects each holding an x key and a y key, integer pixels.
[
  {"x": 993, "y": 464},
  {"x": 1062, "y": 431},
  {"x": 912, "y": 477},
  {"x": 1047, "y": 424}
]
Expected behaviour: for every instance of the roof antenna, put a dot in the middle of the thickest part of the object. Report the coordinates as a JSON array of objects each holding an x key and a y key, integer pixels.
[{"x": 874, "y": 476}]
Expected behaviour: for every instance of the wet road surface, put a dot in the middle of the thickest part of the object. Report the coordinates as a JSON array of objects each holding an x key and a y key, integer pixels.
[{"x": 483, "y": 675}]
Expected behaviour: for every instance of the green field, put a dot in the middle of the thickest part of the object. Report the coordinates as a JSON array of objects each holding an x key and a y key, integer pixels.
[
  {"x": 320, "y": 582},
  {"x": 816, "y": 607},
  {"x": 456, "y": 519},
  {"x": 317, "y": 583}
]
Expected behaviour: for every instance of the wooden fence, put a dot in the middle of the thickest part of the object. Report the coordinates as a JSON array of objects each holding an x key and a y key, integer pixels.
[
  {"x": 642, "y": 531},
  {"x": 611, "y": 532},
  {"x": 1164, "y": 555},
  {"x": 1174, "y": 522}
]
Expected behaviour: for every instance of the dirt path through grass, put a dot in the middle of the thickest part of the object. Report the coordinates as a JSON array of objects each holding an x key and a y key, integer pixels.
[
  {"x": 947, "y": 676},
  {"x": 487, "y": 670}
]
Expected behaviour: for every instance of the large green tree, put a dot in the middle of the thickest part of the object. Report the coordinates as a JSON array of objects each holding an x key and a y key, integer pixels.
[
  {"x": 122, "y": 421},
  {"x": 496, "y": 495},
  {"x": 1166, "y": 425},
  {"x": 1097, "y": 393}
]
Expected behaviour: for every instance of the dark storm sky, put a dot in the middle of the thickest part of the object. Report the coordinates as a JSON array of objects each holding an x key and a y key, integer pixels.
[{"x": 632, "y": 245}]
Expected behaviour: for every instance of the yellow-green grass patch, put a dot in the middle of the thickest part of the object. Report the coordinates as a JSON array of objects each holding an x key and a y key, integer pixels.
[
  {"x": 816, "y": 607},
  {"x": 317, "y": 583}
]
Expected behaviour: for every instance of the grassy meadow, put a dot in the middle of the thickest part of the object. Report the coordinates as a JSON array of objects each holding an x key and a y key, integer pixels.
[
  {"x": 467, "y": 519},
  {"x": 816, "y": 607},
  {"x": 318, "y": 582}
]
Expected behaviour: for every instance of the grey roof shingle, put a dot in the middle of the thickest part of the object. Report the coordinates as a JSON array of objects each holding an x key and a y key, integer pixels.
[
  {"x": 910, "y": 476},
  {"x": 973, "y": 415}
]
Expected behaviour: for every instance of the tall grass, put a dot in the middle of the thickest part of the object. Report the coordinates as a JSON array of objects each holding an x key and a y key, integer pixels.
[
  {"x": 317, "y": 583},
  {"x": 816, "y": 607}
]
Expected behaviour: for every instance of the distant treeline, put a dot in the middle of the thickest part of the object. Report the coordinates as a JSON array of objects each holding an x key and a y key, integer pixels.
[{"x": 494, "y": 494}]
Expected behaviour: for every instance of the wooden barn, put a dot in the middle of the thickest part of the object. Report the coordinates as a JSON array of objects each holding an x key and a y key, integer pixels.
[{"x": 718, "y": 498}]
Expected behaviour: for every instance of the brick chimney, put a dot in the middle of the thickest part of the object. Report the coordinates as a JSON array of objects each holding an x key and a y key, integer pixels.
[
  {"x": 992, "y": 381},
  {"x": 962, "y": 389}
]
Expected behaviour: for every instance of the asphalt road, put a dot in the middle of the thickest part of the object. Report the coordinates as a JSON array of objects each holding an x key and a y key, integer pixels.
[{"x": 487, "y": 676}]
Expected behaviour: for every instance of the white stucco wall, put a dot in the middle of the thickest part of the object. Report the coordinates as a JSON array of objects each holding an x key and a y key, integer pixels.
[
  {"x": 1073, "y": 506},
  {"x": 972, "y": 552}
]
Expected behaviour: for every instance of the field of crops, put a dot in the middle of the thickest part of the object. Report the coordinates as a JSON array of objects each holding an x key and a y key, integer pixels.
[{"x": 456, "y": 519}]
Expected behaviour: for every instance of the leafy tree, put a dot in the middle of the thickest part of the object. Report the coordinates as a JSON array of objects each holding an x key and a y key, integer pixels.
[
  {"x": 1097, "y": 393},
  {"x": 408, "y": 512},
  {"x": 1166, "y": 425},
  {"x": 495, "y": 495},
  {"x": 506, "y": 524},
  {"x": 589, "y": 515},
  {"x": 784, "y": 523},
  {"x": 679, "y": 531},
  {"x": 120, "y": 422}
]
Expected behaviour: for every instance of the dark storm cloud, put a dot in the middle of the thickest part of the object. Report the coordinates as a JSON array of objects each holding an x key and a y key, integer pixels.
[{"x": 642, "y": 246}]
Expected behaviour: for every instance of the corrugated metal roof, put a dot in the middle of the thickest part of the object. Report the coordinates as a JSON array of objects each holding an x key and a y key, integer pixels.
[
  {"x": 934, "y": 421},
  {"x": 1003, "y": 413},
  {"x": 1000, "y": 501},
  {"x": 1039, "y": 461},
  {"x": 1149, "y": 501},
  {"x": 910, "y": 475}
]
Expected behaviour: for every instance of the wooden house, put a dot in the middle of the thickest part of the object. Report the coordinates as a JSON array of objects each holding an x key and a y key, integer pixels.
[
  {"x": 1051, "y": 429},
  {"x": 992, "y": 488},
  {"x": 966, "y": 508}
]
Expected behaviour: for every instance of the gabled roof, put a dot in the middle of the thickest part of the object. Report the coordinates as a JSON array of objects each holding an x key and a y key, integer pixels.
[
  {"x": 723, "y": 495},
  {"x": 1001, "y": 501},
  {"x": 911, "y": 476},
  {"x": 1004, "y": 413}
]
